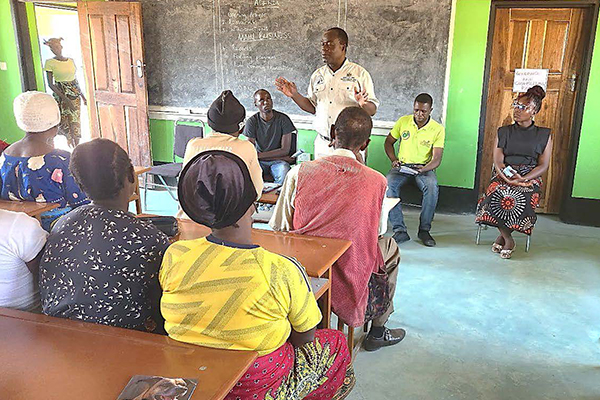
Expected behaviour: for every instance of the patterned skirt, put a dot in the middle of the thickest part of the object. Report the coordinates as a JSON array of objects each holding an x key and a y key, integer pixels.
[
  {"x": 509, "y": 206},
  {"x": 321, "y": 369},
  {"x": 70, "y": 125}
]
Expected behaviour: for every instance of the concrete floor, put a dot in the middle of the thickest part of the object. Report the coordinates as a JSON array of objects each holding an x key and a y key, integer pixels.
[{"x": 479, "y": 327}]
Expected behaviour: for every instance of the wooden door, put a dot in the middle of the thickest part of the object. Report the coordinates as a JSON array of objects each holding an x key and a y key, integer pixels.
[
  {"x": 112, "y": 47},
  {"x": 545, "y": 38}
]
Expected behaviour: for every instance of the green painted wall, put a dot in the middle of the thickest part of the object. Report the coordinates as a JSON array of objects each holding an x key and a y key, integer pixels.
[
  {"x": 10, "y": 80},
  {"x": 161, "y": 133},
  {"x": 464, "y": 93},
  {"x": 588, "y": 163}
]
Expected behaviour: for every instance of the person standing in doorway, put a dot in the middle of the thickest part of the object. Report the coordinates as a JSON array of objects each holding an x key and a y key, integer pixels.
[
  {"x": 273, "y": 134},
  {"x": 60, "y": 72},
  {"x": 336, "y": 85},
  {"x": 419, "y": 154}
]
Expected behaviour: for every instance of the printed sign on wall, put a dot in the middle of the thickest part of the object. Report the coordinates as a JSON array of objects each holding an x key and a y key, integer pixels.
[{"x": 526, "y": 78}]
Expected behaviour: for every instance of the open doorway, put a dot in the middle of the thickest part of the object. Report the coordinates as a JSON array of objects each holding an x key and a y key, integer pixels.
[{"x": 61, "y": 21}]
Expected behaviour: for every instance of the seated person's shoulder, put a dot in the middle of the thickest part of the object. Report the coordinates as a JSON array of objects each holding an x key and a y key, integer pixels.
[
  {"x": 147, "y": 228},
  {"x": 283, "y": 267},
  {"x": 375, "y": 175},
  {"x": 282, "y": 115},
  {"x": 63, "y": 155},
  {"x": 18, "y": 221},
  {"x": 73, "y": 216},
  {"x": 195, "y": 142},
  {"x": 405, "y": 119},
  {"x": 280, "y": 263},
  {"x": 436, "y": 124},
  {"x": 253, "y": 120},
  {"x": 183, "y": 249}
]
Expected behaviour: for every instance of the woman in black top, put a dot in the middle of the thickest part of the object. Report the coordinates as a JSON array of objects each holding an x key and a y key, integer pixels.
[
  {"x": 521, "y": 156},
  {"x": 101, "y": 263}
]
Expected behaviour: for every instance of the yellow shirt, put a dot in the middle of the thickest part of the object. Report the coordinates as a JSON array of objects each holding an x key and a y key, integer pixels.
[
  {"x": 416, "y": 145},
  {"x": 234, "y": 297},
  {"x": 63, "y": 71}
]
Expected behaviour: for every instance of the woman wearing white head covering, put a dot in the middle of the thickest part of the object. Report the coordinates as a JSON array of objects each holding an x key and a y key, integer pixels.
[{"x": 32, "y": 169}]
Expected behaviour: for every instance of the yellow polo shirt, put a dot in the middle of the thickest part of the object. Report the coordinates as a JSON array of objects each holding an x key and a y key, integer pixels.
[{"x": 416, "y": 145}]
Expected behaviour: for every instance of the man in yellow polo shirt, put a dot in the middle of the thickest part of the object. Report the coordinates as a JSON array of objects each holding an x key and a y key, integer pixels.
[{"x": 419, "y": 154}]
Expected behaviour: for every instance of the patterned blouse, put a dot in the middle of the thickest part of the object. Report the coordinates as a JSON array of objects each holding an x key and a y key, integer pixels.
[
  {"x": 43, "y": 179},
  {"x": 101, "y": 266}
]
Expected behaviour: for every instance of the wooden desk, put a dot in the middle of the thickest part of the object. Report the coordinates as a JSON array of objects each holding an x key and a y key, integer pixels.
[
  {"x": 31, "y": 208},
  {"x": 136, "y": 193},
  {"x": 269, "y": 197},
  {"x": 53, "y": 358},
  {"x": 316, "y": 254}
]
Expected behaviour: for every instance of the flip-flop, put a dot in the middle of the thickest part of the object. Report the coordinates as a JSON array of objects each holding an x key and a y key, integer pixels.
[
  {"x": 496, "y": 248},
  {"x": 506, "y": 253}
]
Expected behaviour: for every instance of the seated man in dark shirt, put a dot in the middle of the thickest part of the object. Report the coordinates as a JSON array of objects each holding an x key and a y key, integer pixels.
[{"x": 274, "y": 135}]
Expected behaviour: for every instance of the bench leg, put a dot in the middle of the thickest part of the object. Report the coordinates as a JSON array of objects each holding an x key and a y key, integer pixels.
[
  {"x": 528, "y": 244},
  {"x": 478, "y": 237}
]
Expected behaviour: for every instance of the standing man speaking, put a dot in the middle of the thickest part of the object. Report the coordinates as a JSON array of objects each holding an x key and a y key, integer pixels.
[{"x": 336, "y": 85}]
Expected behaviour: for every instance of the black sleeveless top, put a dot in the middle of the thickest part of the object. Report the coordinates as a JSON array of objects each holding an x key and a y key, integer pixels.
[{"x": 522, "y": 145}]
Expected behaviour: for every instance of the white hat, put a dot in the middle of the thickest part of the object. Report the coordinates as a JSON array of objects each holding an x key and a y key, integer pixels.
[{"x": 36, "y": 111}]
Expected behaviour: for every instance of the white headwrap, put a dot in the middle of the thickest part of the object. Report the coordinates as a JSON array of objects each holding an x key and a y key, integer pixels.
[{"x": 36, "y": 111}]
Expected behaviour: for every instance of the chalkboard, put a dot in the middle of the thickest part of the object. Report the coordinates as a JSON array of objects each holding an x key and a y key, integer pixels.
[{"x": 197, "y": 48}]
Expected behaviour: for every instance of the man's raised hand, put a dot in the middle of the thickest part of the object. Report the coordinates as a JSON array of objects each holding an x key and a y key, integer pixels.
[
  {"x": 361, "y": 97},
  {"x": 286, "y": 87}
]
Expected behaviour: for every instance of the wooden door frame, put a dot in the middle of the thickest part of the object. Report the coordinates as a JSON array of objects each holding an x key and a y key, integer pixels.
[
  {"x": 590, "y": 24},
  {"x": 23, "y": 43}
]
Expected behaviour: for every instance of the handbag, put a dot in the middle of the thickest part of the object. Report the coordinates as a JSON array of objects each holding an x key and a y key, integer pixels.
[{"x": 379, "y": 296}]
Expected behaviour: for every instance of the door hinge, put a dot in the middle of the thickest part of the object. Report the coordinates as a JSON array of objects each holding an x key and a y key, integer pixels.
[{"x": 573, "y": 82}]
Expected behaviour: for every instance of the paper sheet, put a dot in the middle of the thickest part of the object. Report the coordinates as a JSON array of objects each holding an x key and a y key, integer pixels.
[{"x": 388, "y": 204}]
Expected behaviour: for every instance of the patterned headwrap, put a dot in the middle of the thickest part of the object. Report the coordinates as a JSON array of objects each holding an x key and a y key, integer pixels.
[{"x": 215, "y": 189}]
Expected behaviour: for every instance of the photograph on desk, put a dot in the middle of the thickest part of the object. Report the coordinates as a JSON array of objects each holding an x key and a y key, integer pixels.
[{"x": 147, "y": 387}]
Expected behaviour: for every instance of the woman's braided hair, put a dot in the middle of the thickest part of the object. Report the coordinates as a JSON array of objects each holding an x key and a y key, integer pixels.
[
  {"x": 100, "y": 167},
  {"x": 535, "y": 95}
]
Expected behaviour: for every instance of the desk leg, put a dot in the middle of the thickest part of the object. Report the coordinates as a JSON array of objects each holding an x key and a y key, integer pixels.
[
  {"x": 138, "y": 201},
  {"x": 325, "y": 305}
]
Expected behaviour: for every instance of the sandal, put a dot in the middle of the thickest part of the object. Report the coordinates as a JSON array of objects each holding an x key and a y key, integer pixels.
[
  {"x": 496, "y": 248},
  {"x": 506, "y": 253}
]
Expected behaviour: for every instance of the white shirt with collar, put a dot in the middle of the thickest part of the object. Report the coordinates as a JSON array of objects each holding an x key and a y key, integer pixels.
[
  {"x": 283, "y": 213},
  {"x": 330, "y": 92}
]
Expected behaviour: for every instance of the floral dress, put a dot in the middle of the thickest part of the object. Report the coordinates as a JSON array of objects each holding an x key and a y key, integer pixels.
[
  {"x": 45, "y": 179},
  {"x": 511, "y": 206}
]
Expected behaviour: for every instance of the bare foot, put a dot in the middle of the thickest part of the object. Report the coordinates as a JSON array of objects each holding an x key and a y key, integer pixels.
[
  {"x": 509, "y": 244},
  {"x": 499, "y": 240}
]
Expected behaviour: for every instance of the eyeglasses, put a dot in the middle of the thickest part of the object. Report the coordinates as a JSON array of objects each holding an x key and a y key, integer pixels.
[{"x": 520, "y": 106}]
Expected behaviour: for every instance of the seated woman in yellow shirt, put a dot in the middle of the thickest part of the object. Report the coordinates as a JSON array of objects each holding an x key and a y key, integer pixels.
[{"x": 224, "y": 292}]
